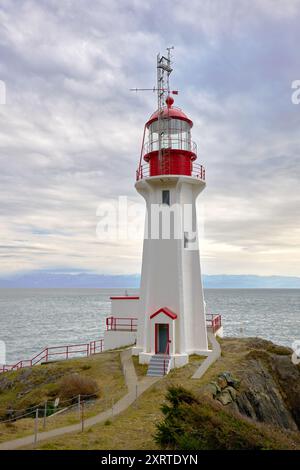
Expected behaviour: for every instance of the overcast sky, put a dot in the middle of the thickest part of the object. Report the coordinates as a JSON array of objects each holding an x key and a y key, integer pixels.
[{"x": 70, "y": 131}]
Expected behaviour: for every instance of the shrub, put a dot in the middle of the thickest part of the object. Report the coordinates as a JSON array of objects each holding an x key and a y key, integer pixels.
[
  {"x": 73, "y": 385},
  {"x": 199, "y": 424}
]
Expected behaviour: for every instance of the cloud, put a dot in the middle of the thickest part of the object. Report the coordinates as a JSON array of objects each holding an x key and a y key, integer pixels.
[{"x": 71, "y": 131}]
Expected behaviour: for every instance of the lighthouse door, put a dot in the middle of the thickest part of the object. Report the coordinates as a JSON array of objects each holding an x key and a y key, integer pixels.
[{"x": 161, "y": 338}]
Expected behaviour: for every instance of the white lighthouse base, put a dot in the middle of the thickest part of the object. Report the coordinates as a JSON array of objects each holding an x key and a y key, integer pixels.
[{"x": 177, "y": 360}]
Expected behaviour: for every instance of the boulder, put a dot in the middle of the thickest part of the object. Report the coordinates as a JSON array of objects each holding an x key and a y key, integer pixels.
[
  {"x": 225, "y": 397},
  {"x": 232, "y": 392},
  {"x": 222, "y": 382},
  {"x": 213, "y": 389}
]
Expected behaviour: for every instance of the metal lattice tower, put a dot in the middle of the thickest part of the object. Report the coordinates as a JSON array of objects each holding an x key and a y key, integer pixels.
[{"x": 164, "y": 71}]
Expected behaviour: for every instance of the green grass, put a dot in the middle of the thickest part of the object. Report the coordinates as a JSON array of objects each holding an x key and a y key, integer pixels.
[
  {"x": 140, "y": 369},
  {"x": 135, "y": 428}
]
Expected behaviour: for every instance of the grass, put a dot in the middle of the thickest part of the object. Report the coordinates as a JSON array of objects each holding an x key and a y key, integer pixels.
[
  {"x": 140, "y": 369},
  {"x": 105, "y": 369},
  {"x": 135, "y": 427}
]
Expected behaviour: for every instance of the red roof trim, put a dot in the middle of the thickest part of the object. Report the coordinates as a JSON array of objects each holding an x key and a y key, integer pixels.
[
  {"x": 173, "y": 113},
  {"x": 166, "y": 311},
  {"x": 125, "y": 297}
]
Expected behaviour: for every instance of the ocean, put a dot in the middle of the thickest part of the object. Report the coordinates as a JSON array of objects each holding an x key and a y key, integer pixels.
[{"x": 32, "y": 319}]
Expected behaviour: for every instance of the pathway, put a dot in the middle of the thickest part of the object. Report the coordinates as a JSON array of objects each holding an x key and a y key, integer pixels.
[{"x": 211, "y": 358}]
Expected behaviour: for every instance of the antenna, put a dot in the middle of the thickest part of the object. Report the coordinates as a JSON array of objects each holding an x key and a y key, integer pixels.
[{"x": 164, "y": 70}]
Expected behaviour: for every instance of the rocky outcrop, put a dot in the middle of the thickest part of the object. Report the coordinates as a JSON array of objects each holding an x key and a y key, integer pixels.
[{"x": 269, "y": 390}]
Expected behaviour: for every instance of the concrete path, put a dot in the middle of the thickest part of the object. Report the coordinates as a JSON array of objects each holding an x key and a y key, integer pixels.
[
  {"x": 135, "y": 389},
  {"x": 211, "y": 358}
]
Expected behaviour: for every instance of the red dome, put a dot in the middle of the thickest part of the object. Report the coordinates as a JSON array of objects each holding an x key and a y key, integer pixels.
[{"x": 173, "y": 113}]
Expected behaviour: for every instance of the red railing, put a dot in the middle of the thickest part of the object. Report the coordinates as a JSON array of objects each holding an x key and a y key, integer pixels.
[
  {"x": 51, "y": 353},
  {"x": 167, "y": 352},
  {"x": 213, "y": 321},
  {"x": 197, "y": 171},
  {"x": 121, "y": 324}
]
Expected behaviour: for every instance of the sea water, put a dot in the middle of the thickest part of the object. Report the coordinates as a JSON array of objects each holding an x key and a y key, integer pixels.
[{"x": 32, "y": 319}]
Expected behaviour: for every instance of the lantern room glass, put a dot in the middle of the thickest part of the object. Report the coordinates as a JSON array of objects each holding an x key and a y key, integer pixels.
[{"x": 175, "y": 134}]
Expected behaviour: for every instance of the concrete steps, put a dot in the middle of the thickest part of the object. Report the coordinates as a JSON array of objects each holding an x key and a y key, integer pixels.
[{"x": 159, "y": 365}]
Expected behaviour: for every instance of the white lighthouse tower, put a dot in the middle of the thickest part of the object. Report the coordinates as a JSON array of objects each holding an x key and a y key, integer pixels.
[
  {"x": 167, "y": 320},
  {"x": 172, "y": 320}
]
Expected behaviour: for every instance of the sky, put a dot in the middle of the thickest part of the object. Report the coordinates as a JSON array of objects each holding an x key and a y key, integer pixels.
[{"x": 71, "y": 131}]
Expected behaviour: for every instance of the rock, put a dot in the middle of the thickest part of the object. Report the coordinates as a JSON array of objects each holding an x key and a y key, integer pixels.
[
  {"x": 232, "y": 392},
  {"x": 268, "y": 396},
  {"x": 225, "y": 397},
  {"x": 213, "y": 389},
  {"x": 232, "y": 381},
  {"x": 222, "y": 382}
]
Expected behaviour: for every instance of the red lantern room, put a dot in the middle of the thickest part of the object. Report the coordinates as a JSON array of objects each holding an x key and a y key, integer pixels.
[{"x": 167, "y": 145}]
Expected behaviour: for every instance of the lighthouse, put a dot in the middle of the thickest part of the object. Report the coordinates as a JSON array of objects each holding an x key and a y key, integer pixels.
[
  {"x": 167, "y": 320},
  {"x": 172, "y": 314}
]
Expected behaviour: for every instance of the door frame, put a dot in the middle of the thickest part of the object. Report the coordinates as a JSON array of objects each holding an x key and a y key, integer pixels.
[{"x": 156, "y": 337}]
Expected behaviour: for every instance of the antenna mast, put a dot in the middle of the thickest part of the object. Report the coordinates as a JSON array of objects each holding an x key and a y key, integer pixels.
[
  {"x": 162, "y": 88},
  {"x": 164, "y": 70}
]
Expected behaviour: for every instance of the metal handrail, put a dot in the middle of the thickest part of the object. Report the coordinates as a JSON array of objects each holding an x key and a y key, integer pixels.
[
  {"x": 167, "y": 352},
  {"x": 213, "y": 321},
  {"x": 117, "y": 324},
  {"x": 87, "y": 348},
  {"x": 197, "y": 171}
]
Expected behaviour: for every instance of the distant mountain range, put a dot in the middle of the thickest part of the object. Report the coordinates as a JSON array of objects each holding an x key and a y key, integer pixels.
[{"x": 78, "y": 279}]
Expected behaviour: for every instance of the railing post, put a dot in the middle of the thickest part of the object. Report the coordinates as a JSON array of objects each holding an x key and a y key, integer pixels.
[
  {"x": 67, "y": 352},
  {"x": 82, "y": 416},
  {"x": 45, "y": 415},
  {"x": 47, "y": 354},
  {"x": 79, "y": 406},
  {"x": 36, "y": 425}
]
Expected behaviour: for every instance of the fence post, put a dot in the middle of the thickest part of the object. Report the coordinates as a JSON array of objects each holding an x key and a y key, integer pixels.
[
  {"x": 36, "y": 425},
  {"x": 45, "y": 415},
  {"x": 82, "y": 416},
  {"x": 79, "y": 406}
]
